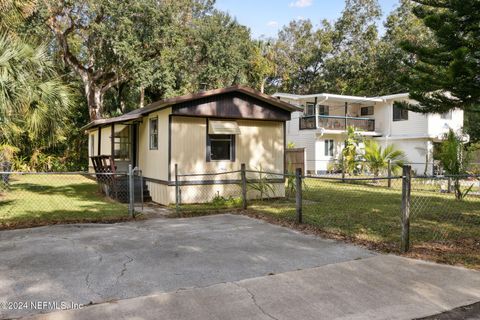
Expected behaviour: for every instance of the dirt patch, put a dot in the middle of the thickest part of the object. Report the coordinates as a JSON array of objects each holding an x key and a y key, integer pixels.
[{"x": 41, "y": 223}]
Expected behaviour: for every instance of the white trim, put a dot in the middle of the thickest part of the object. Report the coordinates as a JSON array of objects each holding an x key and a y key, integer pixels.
[
  {"x": 340, "y": 97},
  {"x": 328, "y": 96},
  {"x": 395, "y": 96}
]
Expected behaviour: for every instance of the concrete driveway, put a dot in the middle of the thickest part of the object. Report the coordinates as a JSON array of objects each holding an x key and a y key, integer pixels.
[{"x": 93, "y": 263}]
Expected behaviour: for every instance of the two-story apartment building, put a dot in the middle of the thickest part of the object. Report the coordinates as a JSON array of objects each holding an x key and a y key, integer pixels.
[{"x": 321, "y": 127}]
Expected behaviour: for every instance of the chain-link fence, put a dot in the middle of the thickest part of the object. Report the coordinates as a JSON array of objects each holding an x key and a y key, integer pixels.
[
  {"x": 342, "y": 167},
  {"x": 205, "y": 192},
  {"x": 445, "y": 217},
  {"x": 38, "y": 198},
  {"x": 393, "y": 212}
]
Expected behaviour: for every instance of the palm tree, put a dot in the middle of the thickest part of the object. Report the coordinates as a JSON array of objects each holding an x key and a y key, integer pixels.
[
  {"x": 13, "y": 12},
  {"x": 34, "y": 101},
  {"x": 377, "y": 158}
]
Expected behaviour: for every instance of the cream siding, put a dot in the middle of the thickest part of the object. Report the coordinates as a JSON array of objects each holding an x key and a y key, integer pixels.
[
  {"x": 154, "y": 163},
  {"x": 106, "y": 143},
  {"x": 161, "y": 193},
  {"x": 92, "y": 146},
  {"x": 259, "y": 144}
]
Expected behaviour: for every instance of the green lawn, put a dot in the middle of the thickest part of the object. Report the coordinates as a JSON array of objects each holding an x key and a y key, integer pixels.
[{"x": 32, "y": 200}]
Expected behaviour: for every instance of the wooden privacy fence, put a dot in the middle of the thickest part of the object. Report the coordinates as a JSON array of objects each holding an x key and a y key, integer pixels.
[{"x": 295, "y": 158}]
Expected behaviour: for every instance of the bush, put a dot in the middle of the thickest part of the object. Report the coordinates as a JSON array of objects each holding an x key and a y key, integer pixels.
[{"x": 220, "y": 201}]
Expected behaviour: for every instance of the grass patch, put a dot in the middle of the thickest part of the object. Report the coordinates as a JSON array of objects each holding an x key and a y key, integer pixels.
[
  {"x": 443, "y": 229},
  {"x": 218, "y": 204},
  {"x": 35, "y": 200}
]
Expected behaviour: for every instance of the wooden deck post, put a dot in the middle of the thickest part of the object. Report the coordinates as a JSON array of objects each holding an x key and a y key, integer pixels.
[
  {"x": 298, "y": 197},
  {"x": 244, "y": 186}
]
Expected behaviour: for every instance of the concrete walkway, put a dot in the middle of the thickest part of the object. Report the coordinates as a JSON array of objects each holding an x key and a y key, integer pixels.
[{"x": 381, "y": 287}]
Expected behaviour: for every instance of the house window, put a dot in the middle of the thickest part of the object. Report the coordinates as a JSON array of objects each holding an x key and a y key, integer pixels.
[
  {"x": 366, "y": 111},
  {"x": 220, "y": 147},
  {"x": 446, "y": 115},
  {"x": 399, "y": 114},
  {"x": 154, "y": 134},
  {"x": 323, "y": 110},
  {"x": 310, "y": 109},
  {"x": 122, "y": 143},
  {"x": 329, "y": 148},
  {"x": 92, "y": 145}
]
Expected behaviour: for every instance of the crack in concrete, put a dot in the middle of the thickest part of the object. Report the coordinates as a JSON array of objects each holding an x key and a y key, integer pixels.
[
  {"x": 124, "y": 268},
  {"x": 254, "y": 300}
]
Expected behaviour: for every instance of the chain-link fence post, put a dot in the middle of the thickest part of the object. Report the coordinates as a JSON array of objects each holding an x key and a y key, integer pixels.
[
  {"x": 131, "y": 191},
  {"x": 406, "y": 199},
  {"x": 177, "y": 191},
  {"x": 343, "y": 168},
  {"x": 389, "y": 181},
  {"x": 244, "y": 186},
  {"x": 298, "y": 197}
]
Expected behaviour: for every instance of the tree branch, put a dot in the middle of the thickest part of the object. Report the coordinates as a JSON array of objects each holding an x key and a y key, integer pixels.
[
  {"x": 61, "y": 36},
  {"x": 112, "y": 82}
]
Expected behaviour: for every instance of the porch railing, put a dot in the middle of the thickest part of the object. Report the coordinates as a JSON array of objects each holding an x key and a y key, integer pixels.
[{"x": 337, "y": 123}]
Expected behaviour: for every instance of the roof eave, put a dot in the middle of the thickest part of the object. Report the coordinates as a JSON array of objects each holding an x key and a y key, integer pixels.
[{"x": 101, "y": 122}]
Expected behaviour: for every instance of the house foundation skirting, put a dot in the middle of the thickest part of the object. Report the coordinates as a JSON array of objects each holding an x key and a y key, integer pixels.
[{"x": 163, "y": 192}]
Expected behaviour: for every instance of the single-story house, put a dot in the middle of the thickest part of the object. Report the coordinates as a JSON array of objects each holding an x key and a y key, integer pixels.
[{"x": 210, "y": 131}]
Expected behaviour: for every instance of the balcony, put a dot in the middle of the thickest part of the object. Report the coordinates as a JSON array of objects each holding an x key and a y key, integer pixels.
[{"x": 337, "y": 123}]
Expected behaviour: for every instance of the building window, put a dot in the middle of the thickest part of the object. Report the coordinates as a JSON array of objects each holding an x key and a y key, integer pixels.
[
  {"x": 220, "y": 147},
  {"x": 399, "y": 114},
  {"x": 329, "y": 148},
  {"x": 154, "y": 134},
  {"x": 122, "y": 144},
  {"x": 367, "y": 111},
  {"x": 310, "y": 109},
  {"x": 92, "y": 145},
  {"x": 323, "y": 110},
  {"x": 446, "y": 115}
]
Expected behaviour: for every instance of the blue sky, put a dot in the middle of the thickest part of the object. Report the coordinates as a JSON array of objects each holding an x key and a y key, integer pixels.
[{"x": 266, "y": 17}]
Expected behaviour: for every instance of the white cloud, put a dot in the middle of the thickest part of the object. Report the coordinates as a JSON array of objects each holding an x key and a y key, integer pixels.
[
  {"x": 301, "y": 3},
  {"x": 272, "y": 24}
]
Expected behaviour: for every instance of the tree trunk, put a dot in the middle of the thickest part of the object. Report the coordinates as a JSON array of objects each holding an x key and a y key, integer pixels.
[
  {"x": 262, "y": 85},
  {"x": 94, "y": 96},
  {"x": 458, "y": 189},
  {"x": 142, "y": 96}
]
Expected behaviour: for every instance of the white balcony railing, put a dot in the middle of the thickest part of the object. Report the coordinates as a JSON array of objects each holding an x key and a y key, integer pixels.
[{"x": 337, "y": 123}]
